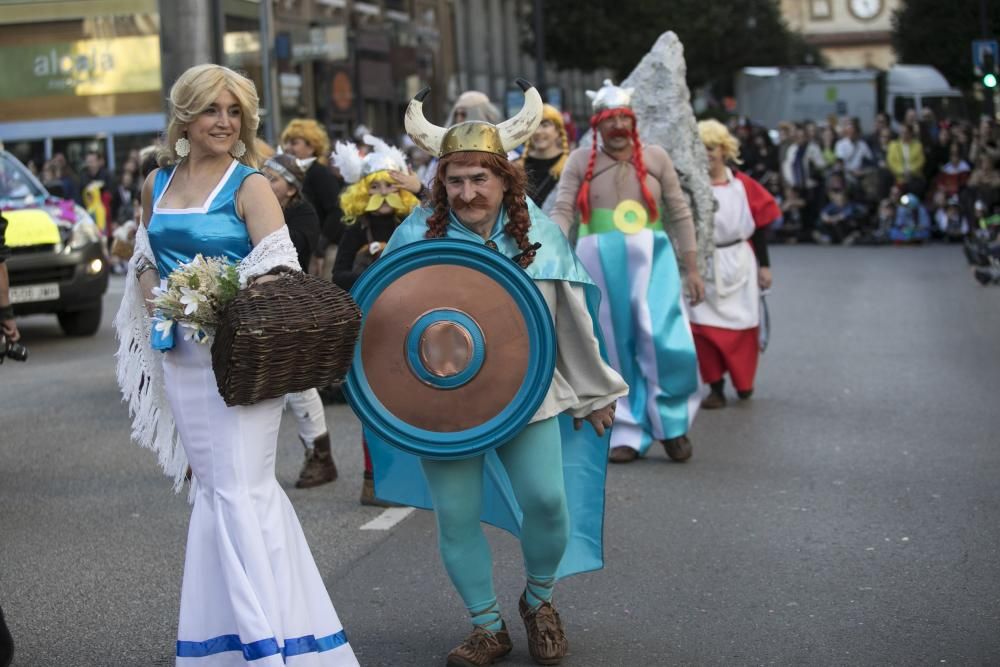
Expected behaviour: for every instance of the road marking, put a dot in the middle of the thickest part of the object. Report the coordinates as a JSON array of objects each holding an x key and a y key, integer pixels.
[{"x": 388, "y": 518}]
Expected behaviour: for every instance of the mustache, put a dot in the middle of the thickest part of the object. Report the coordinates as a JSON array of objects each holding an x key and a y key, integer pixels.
[
  {"x": 478, "y": 202},
  {"x": 393, "y": 199},
  {"x": 619, "y": 133}
]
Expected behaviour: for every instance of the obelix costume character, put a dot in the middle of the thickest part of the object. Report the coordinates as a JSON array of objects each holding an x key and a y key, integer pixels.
[{"x": 618, "y": 189}]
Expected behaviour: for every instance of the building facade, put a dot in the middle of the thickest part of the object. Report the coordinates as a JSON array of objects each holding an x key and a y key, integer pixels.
[
  {"x": 86, "y": 74},
  {"x": 76, "y": 74},
  {"x": 850, "y": 33}
]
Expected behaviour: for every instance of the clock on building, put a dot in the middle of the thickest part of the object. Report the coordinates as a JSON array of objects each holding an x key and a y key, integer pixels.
[{"x": 865, "y": 10}]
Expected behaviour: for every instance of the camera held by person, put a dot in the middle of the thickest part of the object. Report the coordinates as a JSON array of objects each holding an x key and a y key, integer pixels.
[{"x": 12, "y": 349}]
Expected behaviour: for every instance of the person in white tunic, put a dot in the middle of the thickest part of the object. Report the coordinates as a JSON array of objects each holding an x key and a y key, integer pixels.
[
  {"x": 725, "y": 324},
  {"x": 251, "y": 592}
]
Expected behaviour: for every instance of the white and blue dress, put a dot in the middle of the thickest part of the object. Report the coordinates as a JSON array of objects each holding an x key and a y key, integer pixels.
[{"x": 251, "y": 592}]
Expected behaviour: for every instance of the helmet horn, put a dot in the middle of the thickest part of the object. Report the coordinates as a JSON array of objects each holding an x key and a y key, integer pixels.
[
  {"x": 424, "y": 133},
  {"x": 515, "y": 131}
]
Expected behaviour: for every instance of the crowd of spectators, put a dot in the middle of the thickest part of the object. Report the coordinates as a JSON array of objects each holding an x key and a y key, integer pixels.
[
  {"x": 920, "y": 181},
  {"x": 112, "y": 199},
  {"x": 928, "y": 180}
]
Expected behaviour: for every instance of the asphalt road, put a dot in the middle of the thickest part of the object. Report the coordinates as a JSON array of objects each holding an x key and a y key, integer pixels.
[{"x": 849, "y": 514}]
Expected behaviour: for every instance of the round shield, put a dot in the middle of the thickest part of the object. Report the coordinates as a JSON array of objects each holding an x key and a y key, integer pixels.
[{"x": 456, "y": 351}]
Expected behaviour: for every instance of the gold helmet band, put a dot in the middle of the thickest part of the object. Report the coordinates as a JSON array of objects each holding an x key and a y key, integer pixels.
[{"x": 474, "y": 135}]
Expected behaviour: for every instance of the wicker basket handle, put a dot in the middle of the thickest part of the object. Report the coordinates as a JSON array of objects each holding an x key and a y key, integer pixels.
[{"x": 281, "y": 270}]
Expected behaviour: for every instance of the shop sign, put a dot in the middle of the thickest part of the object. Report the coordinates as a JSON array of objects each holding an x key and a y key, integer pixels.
[
  {"x": 84, "y": 67},
  {"x": 241, "y": 49},
  {"x": 328, "y": 43},
  {"x": 289, "y": 89}
]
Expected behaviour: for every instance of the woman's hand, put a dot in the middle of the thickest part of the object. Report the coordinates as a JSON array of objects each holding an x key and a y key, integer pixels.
[
  {"x": 694, "y": 286},
  {"x": 407, "y": 180},
  {"x": 601, "y": 419},
  {"x": 764, "y": 277},
  {"x": 148, "y": 281},
  {"x": 9, "y": 329}
]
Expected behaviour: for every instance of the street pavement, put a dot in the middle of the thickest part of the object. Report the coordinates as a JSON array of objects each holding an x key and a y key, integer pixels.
[{"x": 849, "y": 514}]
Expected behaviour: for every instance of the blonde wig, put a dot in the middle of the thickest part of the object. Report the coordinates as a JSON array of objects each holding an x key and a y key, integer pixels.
[
  {"x": 312, "y": 133},
  {"x": 477, "y": 106},
  {"x": 264, "y": 149},
  {"x": 713, "y": 133},
  {"x": 553, "y": 115},
  {"x": 194, "y": 91},
  {"x": 354, "y": 198}
]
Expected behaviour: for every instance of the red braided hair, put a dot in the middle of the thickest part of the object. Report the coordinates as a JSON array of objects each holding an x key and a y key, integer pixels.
[
  {"x": 583, "y": 197},
  {"x": 518, "y": 220}
]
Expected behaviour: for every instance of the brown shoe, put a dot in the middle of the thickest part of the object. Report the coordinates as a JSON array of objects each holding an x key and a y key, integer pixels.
[
  {"x": 546, "y": 639},
  {"x": 622, "y": 454},
  {"x": 714, "y": 401},
  {"x": 368, "y": 496},
  {"x": 319, "y": 467},
  {"x": 482, "y": 647},
  {"x": 678, "y": 449}
]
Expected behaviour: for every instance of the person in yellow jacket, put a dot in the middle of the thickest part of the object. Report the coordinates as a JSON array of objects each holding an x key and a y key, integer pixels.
[
  {"x": 94, "y": 203},
  {"x": 905, "y": 157}
]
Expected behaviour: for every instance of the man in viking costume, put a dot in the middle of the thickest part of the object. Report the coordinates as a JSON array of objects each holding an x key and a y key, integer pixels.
[
  {"x": 619, "y": 187},
  {"x": 546, "y": 483},
  {"x": 374, "y": 203}
]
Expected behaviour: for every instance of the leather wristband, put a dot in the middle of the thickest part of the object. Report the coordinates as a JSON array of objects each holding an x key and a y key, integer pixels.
[{"x": 6, "y": 313}]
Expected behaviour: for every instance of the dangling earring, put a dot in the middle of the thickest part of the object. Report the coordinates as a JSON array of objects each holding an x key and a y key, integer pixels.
[
  {"x": 182, "y": 147},
  {"x": 239, "y": 149}
]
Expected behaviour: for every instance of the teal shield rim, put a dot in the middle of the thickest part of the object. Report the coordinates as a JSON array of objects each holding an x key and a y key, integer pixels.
[{"x": 541, "y": 360}]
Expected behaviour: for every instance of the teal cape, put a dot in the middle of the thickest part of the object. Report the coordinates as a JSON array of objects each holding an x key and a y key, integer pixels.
[{"x": 398, "y": 475}]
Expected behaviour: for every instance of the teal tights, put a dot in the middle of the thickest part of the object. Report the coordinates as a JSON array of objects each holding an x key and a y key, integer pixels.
[{"x": 533, "y": 461}]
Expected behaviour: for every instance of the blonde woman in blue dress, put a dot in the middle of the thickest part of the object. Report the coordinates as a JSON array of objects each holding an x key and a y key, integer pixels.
[{"x": 251, "y": 591}]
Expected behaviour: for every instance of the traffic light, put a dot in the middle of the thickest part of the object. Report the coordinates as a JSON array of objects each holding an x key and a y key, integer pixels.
[{"x": 989, "y": 77}]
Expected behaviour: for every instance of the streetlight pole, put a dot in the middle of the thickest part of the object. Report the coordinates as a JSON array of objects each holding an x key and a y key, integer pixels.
[
  {"x": 540, "y": 47},
  {"x": 984, "y": 26},
  {"x": 267, "y": 75}
]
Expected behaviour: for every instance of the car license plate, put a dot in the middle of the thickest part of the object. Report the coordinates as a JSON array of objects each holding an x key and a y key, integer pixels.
[{"x": 29, "y": 293}]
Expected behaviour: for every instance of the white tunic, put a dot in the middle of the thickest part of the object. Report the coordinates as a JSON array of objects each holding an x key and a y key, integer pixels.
[{"x": 732, "y": 296}]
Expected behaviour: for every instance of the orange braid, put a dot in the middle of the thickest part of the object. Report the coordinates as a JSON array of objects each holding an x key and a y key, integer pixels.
[
  {"x": 437, "y": 223},
  {"x": 640, "y": 170},
  {"x": 583, "y": 197},
  {"x": 518, "y": 225}
]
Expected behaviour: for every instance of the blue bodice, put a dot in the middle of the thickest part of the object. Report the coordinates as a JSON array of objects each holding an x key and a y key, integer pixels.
[{"x": 215, "y": 229}]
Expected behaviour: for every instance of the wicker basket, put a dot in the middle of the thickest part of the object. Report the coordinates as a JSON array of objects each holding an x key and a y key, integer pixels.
[{"x": 283, "y": 336}]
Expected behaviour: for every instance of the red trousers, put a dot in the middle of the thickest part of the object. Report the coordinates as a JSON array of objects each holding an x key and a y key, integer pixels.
[{"x": 727, "y": 350}]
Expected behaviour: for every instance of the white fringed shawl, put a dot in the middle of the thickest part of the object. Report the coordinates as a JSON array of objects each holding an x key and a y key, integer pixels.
[{"x": 139, "y": 367}]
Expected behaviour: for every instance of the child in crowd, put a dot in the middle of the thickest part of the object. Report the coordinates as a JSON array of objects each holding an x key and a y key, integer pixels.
[
  {"x": 951, "y": 224},
  {"x": 912, "y": 224},
  {"x": 838, "y": 221}
]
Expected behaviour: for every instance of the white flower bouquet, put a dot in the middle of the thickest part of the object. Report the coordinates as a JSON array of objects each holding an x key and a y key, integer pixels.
[{"x": 194, "y": 297}]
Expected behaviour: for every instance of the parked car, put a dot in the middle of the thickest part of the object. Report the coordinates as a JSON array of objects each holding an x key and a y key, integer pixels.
[{"x": 58, "y": 262}]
